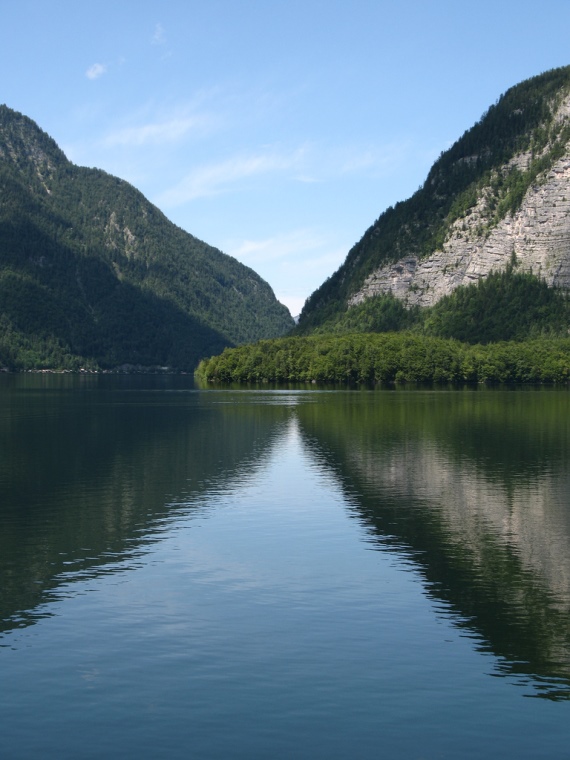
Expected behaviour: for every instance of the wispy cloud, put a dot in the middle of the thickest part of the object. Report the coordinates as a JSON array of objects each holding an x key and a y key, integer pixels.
[
  {"x": 297, "y": 276},
  {"x": 372, "y": 160},
  {"x": 329, "y": 162},
  {"x": 307, "y": 179},
  {"x": 214, "y": 179},
  {"x": 159, "y": 36},
  {"x": 299, "y": 261},
  {"x": 158, "y": 132},
  {"x": 95, "y": 71},
  {"x": 278, "y": 247}
]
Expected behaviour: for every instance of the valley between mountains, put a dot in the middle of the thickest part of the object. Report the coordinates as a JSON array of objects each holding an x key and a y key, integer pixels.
[{"x": 93, "y": 275}]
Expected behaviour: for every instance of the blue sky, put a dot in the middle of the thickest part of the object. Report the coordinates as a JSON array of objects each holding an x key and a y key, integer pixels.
[{"x": 277, "y": 131}]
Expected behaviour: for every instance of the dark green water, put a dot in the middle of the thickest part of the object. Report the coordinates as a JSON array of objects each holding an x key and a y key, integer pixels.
[{"x": 284, "y": 574}]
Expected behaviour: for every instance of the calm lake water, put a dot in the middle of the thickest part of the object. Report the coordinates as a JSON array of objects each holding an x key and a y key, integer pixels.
[{"x": 282, "y": 574}]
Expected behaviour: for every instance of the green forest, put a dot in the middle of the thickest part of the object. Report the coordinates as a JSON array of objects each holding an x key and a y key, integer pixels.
[
  {"x": 373, "y": 359},
  {"x": 509, "y": 328},
  {"x": 523, "y": 119},
  {"x": 506, "y": 305},
  {"x": 93, "y": 275}
]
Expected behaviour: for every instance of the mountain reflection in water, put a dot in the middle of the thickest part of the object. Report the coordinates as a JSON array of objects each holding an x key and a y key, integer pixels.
[
  {"x": 474, "y": 486},
  {"x": 91, "y": 471},
  {"x": 470, "y": 486}
]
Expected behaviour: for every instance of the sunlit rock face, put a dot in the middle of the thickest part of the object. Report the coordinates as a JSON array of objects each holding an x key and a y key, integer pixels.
[
  {"x": 537, "y": 235},
  {"x": 480, "y": 514},
  {"x": 509, "y": 539},
  {"x": 473, "y": 488}
]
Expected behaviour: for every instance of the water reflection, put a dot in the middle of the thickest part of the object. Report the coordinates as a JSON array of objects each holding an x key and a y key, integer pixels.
[
  {"x": 474, "y": 487},
  {"x": 471, "y": 487},
  {"x": 92, "y": 472}
]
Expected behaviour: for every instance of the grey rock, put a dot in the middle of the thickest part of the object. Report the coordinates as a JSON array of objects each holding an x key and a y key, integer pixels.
[{"x": 537, "y": 237}]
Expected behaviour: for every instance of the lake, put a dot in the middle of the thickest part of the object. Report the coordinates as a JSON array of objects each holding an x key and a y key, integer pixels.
[{"x": 286, "y": 573}]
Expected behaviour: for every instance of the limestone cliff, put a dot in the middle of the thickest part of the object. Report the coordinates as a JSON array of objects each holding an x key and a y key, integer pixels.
[
  {"x": 538, "y": 235},
  {"x": 501, "y": 193}
]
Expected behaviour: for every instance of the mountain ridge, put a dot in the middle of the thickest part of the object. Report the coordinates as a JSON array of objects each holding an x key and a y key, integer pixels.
[
  {"x": 91, "y": 271},
  {"x": 478, "y": 190}
]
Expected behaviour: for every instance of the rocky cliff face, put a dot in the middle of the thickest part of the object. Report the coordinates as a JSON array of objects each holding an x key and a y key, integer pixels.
[{"x": 537, "y": 236}]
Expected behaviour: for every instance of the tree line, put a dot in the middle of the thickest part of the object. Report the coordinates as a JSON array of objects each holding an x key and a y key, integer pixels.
[{"x": 384, "y": 358}]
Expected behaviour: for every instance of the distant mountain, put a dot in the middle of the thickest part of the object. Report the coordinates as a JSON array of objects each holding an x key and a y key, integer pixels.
[
  {"x": 497, "y": 201},
  {"x": 91, "y": 273}
]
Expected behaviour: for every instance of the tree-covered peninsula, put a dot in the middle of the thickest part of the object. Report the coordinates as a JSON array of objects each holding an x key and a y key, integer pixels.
[
  {"x": 385, "y": 358},
  {"x": 509, "y": 328},
  {"x": 466, "y": 281}
]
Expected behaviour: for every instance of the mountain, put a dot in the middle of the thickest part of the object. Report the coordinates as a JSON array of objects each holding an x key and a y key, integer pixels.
[
  {"x": 91, "y": 273},
  {"x": 497, "y": 201}
]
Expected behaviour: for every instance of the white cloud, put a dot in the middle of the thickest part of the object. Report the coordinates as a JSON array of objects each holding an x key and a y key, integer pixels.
[
  {"x": 375, "y": 160},
  {"x": 299, "y": 261},
  {"x": 159, "y": 37},
  {"x": 278, "y": 247},
  {"x": 217, "y": 178},
  {"x": 307, "y": 179},
  {"x": 364, "y": 160},
  {"x": 325, "y": 163},
  {"x": 95, "y": 71},
  {"x": 157, "y": 132},
  {"x": 327, "y": 263},
  {"x": 311, "y": 250}
]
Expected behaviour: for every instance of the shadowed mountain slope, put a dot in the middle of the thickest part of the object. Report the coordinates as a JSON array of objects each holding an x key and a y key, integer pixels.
[{"x": 92, "y": 273}]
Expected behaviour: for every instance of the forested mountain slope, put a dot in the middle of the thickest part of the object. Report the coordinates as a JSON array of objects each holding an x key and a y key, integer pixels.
[
  {"x": 498, "y": 198},
  {"x": 92, "y": 273}
]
